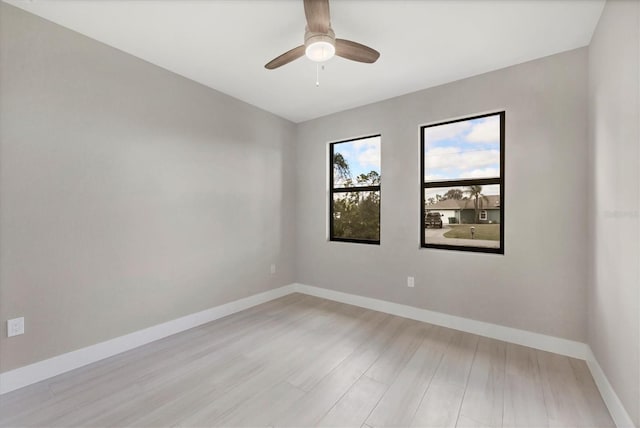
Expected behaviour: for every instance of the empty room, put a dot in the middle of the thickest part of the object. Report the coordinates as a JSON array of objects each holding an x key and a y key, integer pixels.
[{"x": 320, "y": 213}]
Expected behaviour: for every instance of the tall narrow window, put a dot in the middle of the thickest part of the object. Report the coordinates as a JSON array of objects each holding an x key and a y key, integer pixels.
[
  {"x": 354, "y": 190},
  {"x": 462, "y": 184}
]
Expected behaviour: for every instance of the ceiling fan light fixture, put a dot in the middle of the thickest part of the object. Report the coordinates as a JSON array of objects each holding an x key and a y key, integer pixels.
[
  {"x": 320, "y": 51},
  {"x": 319, "y": 47}
]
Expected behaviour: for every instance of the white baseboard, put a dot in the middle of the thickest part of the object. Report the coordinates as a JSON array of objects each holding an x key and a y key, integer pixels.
[
  {"x": 36, "y": 372},
  {"x": 543, "y": 342},
  {"x": 27, "y": 375},
  {"x": 611, "y": 399}
]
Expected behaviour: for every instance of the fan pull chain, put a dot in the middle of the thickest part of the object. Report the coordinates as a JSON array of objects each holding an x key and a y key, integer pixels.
[{"x": 318, "y": 74}]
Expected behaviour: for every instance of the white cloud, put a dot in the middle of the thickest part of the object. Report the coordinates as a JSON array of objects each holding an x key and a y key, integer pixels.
[
  {"x": 485, "y": 131},
  {"x": 366, "y": 142},
  {"x": 435, "y": 177},
  {"x": 442, "y": 151},
  {"x": 445, "y": 132},
  {"x": 481, "y": 173},
  {"x": 491, "y": 189},
  {"x": 370, "y": 157},
  {"x": 367, "y": 152},
  {"x": 453, "y": 158}
]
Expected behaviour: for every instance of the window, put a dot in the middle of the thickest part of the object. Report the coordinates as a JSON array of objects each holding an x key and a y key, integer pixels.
[
  {"x": 462, "y": 184},
  {"x": 354, "y": 190}
]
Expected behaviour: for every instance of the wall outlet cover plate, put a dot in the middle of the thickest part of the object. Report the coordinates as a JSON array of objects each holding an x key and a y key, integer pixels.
[{"x": 15, "y": 327}]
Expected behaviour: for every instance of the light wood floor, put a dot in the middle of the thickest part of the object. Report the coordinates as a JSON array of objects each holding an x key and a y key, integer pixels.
[{"x": 304, "y": 361}]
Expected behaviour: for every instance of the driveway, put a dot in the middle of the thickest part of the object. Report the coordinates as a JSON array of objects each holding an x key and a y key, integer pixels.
[{"x": 436, "y": 236}]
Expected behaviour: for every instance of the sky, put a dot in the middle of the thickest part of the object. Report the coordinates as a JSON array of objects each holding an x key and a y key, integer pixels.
[
  {"x": 467, "y": 149},
  {"x": 362, "y": 155}
]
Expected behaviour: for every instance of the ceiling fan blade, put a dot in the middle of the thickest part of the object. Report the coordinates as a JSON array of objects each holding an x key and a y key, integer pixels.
[
  {"x": 285, "y": 58},
  {"x": 317, "y": 13},
  {"x": 356, "y": 52}
]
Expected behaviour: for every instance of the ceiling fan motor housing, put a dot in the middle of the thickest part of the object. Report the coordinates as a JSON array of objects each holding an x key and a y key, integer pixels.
[{"x": 320, "y": 43}]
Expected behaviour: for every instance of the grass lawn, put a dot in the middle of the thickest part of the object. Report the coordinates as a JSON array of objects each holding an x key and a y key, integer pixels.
[{"x": 489, "y": 232}]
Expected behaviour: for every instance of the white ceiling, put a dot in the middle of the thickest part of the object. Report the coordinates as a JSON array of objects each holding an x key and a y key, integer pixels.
[{"x": 224, "y": 44}]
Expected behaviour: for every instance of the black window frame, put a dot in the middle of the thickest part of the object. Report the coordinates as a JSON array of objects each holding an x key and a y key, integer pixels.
[
  {"x": 463, "y": 182},
  {"x": 333, "y": 190}
]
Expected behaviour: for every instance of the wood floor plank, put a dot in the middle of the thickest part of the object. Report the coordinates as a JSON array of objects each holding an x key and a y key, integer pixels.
[
  {"x": 137, "y": 365},
  {"x": 264, "y": 407},
  {"x": 399, "y": 404},
  {"x": 87, "y": 414},
  {"x": 440, "y": 406},
  {"x": 459, "y": 350},
  {"x": 219, "y": 331},
  {"x": 281, "y": 362},
  {"x": 312, "y": 407},
  {"x": 466, "y": 422},
  {"x": 400, "y": 350},
  {"x": 170, "y": 401},
  {"x": 524, "y": 404},
  {"x": 23, "y": 401},
  {"x": 336, "y": 350},
  {"x": 559, "y": 386},
  {"x": 356, "y": 405},
  {"x": 484, "y": 395},
  {"x": 600, "y": 416},
  {"x": 564, "y": 398},
  {"x": 305, "y": 361},
  {"x": 149, "y": 373},
  {"x": 174, "y": 408}
]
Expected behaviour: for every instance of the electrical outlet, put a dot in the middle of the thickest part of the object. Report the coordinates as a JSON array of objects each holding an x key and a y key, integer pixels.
[
  {"x": 273, "y": 269},
  {"x": 411, "y": 282},
  {"x": 15, "y": 327}
]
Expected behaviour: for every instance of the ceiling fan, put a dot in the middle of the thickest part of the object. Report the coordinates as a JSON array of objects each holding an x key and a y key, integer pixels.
[{"x": 320, "y": 43}]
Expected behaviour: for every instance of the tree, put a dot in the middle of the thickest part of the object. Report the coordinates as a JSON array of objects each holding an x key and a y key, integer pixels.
[
  {"x": 356, "y": 213},
  {"x": 371, "y": 179},
  {"x": 475, "y": 193},
  {"x": 341, "y": 171},
  {"x": 456, "y": 194}
]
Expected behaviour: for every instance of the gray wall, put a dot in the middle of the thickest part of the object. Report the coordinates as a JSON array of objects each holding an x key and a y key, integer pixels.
[
  {"x": 614, "y": 183},
  {"x": 540, "y": 282},
  {"x": 129, "y": 195}
]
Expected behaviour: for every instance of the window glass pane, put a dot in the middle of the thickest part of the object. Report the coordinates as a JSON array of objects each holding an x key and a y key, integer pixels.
[
  {"x": 464, "y": 215},
  {"x": 356, "y": 163},
  {"x": 356, "y": 215},
  {"x": 462, "y": 150}
]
